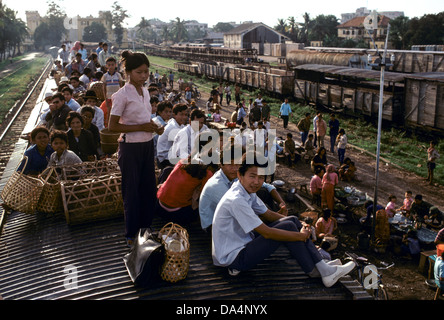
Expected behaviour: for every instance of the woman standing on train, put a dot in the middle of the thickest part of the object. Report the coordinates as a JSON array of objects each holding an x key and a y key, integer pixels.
[{"x": 131, "y": 115}]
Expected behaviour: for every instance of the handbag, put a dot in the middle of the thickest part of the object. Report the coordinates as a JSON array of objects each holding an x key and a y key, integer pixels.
[
  {"x": 22, "y": 192},
  {"x": 144, "y": 260}
]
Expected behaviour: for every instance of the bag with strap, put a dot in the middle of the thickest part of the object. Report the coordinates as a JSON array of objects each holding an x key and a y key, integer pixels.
[{"x": 144, "y": 260}]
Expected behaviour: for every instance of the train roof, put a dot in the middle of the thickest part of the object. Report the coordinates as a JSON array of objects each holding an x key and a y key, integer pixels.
[{"x": 353, "y": 72}]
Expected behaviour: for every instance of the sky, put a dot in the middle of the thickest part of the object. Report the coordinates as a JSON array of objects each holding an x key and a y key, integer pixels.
[{"x": 212, "y": 12}]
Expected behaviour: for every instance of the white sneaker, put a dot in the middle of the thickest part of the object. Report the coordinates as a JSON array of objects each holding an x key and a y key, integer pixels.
[
  {"x": 233, "y": 272},
  {"x": 335, "y": 262},
  {"x": 339, "y": 273}
]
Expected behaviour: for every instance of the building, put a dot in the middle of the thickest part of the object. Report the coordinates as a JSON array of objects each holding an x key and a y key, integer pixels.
[
  {"x": 363, "y": 11},
  {"x": 354, "y": 29},
  {"x": 75, "y": 26},
  {"x": 247, "y": 34}
]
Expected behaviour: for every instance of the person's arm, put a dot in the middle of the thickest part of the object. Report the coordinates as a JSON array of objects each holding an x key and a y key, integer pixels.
[
  {"x": 282, "y": 235},
  {"x": 115, "y": 126},
  {"x": 277, "y": 197}
]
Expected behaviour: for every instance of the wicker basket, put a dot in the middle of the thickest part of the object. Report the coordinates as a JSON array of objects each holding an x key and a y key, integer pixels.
[
  {"x": 51, "y": 198},
  {"x": 21, "y": 192},
  {"x": 92, "y": 199},
  {"x": 99, "y": 88},
  {"x": 87, "y": 169},
  {"x": 177, "y": 262}
]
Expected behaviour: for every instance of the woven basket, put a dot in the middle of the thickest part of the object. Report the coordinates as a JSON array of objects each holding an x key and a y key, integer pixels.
[
  {"x": 92, "y": 199},
  {"x": 176, "y": 265},
  {"x": 99, "y": 88},
  {"x": 21, "y": 192},
  {"x": 51, "y": 198},
  {"x": 87, "y": 169}
]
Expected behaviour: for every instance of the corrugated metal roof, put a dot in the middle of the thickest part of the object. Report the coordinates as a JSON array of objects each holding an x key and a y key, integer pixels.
[
  {"x": 353, "y": 72},
  {"x": 35, "y": 251}
]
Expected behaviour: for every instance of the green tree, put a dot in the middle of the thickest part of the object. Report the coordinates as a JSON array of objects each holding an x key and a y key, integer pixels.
[
  {"x": 323, "y": 27},
  {"x": 179, "y": 31},
  {"x": 12, "y": 32},
  {"x": 222, "y": 27},
  {"x": 427, "y": 30},
  {"x": 56, "y": 29},
  {"x": 305, "y": 28},
  {"x": 95, "y": 32},
  {"x": 118, "y": 17},
  {"x": 166, "y": 33},
  {"x": 399, "y": 28},
  {"x": 293, "y": 30},
  {"x": 281, "y": 26}
]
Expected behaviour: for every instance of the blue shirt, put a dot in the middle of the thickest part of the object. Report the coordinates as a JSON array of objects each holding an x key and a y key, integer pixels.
[
  {"x": 236, "y": 216},
  {"x": 439, "y": 271},
  {"x": 285, "y": 109},
  {"x": 334, "y": 126},
  {"x": 212, "y": 193},
  {"x": 36, "y": 162},
  {"x": 73, "y": 104}
]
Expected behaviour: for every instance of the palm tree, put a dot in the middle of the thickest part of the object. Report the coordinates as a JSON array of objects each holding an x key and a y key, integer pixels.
[
  {"x": 281, "y": 26},
  {"x": 179, "y": 31},
  {"x": 166, "y": 34},
  {"x": 292, "y": 28},
  {"x": 303, "y": 33},
  {"x": 143, "y": 26}
]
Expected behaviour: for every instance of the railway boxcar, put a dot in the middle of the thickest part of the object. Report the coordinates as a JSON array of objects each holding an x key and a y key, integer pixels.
[
  {"x": 350, "y": 90},
  {"x": 424, "y": 101}
]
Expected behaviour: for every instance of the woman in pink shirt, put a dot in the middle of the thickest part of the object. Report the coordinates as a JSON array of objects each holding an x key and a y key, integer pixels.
[
  {"x": 131, "y": 116},
  {"x": 391, "y": 206},
  {"x": 329, "y": 181}
]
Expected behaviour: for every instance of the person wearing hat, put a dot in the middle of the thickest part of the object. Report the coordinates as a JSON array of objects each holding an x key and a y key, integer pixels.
[{"x": 91, "y": 100}]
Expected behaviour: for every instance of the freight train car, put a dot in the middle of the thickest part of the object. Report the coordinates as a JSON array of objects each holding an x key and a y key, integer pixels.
[
  {"x": 349, "y": 90},
  {"x": 415, "y": 101}
]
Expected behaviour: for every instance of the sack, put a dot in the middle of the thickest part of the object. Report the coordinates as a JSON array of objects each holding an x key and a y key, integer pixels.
[
  {"x": 145, "y": 258},
  {"x": 22, "y": 192},
  {"x": 333, "y": 241},
  {"x": 177, "y": 252}
]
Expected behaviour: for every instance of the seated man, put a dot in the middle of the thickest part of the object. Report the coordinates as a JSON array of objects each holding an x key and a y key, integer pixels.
[
  {"x": 221, "y": 182},
  {"x": 420, "y": 209},
  {"x": 241, "y": 239}
]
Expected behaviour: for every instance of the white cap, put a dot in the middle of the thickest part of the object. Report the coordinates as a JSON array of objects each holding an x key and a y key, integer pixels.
[
  {"x": 63, "y": 79},
  {"x": 48, "y": 94}
]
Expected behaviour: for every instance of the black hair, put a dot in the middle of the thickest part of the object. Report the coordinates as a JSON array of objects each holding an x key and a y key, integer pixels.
[
  {"x": 197, "y": 114},
  {"x": 154, "y": 99},
  {"x": 418, "y": 197},
  {"x": 37, "y": 130},
  {"x": 247, "y": 163},
  {"x": 59, "y": 95},
  {"x": 163, "y": 105},
  {"x": 133, "y": 60},
  {"x": 67, "y": 88},
  {"x": 71, "y": 116},
  {"x": 179, "y": 108},
  {"x": 87, "y": 109},
  {"x": 58, "y": 134}
]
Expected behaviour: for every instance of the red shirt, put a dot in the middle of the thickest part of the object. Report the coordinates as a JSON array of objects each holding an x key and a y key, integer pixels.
[{"x": 177, "y": 191}]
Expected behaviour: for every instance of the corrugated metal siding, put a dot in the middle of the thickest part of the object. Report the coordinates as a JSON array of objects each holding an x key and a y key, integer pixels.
[{"x": 36, "y": 249}]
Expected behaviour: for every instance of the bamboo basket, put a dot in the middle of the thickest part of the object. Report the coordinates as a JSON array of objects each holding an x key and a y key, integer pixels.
[
  {"x": 176, "y": 265},
  {"x": 87, "y": 169},
  {"x": 99, "y": 88},
  {"x": 92, "y": 199},
  {"x": 51, "y": 198},
  {"x": 22, "y": 192}
]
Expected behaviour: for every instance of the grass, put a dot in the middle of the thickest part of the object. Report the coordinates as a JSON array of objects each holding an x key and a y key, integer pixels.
[
  {"x": 14, "y": 86},
  {"x": 404, "y": 149}
]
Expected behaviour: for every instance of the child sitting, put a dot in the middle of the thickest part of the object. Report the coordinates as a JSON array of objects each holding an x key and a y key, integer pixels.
[
  {"x": 61, "y": 155},
  {"x": 38, "y": 154},
  {"x": 216, "y": 116},
  {"x": 290, "y": 150},
  {"x": 407, "y": 204},
  {"x": 391, "y": 206}
]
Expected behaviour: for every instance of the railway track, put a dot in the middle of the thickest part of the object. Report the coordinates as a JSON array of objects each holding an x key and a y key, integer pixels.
[{"x": 17, "y": 117}]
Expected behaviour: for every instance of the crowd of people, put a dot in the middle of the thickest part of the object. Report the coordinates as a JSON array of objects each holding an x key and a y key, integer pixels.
[{"x": 244, "y": 215}]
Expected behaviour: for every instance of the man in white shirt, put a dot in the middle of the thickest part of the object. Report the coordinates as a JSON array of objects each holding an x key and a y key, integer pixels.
[
  {"x": 166, "y": 139},
  {"x": 245, "y": 232},
  {"x": 63, "y": 55},
  {"x": 185, "y": 139},
  {"x": 103, "y": 55}
]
